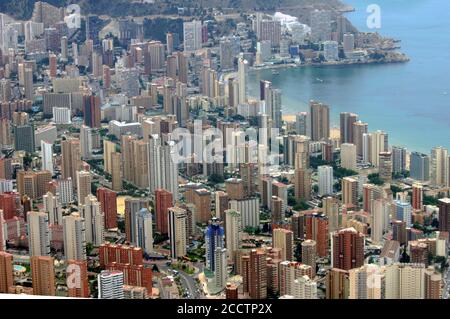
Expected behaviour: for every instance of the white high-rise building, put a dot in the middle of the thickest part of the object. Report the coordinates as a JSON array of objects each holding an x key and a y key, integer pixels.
[
  {"x": 38, "y": 234},
  {"x": 273, "y": 106},
  {"x": 366, "y": 282},
  {"x": 304, "y": 288},
  {"x": 192, "y": 35},
  {"x": 6, "y": 186},
  {"x": 47, "y": 156},
  {"x": 380, "y": 219},
  {"x": 163, "y": 171},
  {"x": 348, "y": 156},
  {"x": 439, "y": 167},
  {"x": 249, "y": 209},
  {"x": 94, "y": 220},
  {"x": 61, "y": 115},
  {"x": 177, "y": 232},
  {"x": 220, "y": 268},
  {"x": 325, "y": 180},
  {"x": 33, "y": 30},
  {"x": 65, "y": 191},
  {"x": 53, "y": 208},
  {"x": 264, "y": 48},
  {"x": 144, "y": 230},
  {"x": 233, "y": 232},
  {"x": 242, "y": 79},
  {"x": 86, "y": 142},
  {"x": 405, "y": 281},
  {"x": 74, "y": 237},
  {"x": 110, "y": 285},
  {"x": 373, "y": 144}
]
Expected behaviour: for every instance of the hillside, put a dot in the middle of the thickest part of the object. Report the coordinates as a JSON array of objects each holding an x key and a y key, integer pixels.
[{"x": 22, "y": 9}]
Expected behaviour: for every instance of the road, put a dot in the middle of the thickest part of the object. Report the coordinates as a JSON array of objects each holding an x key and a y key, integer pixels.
[{"x": 187, "y": 281}]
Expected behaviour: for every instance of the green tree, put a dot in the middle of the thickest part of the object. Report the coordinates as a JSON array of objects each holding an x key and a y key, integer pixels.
[{"x": 375, "y": 179}]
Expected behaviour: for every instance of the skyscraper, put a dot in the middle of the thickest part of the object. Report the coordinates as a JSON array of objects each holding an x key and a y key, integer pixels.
[
  {"x": 214, "y": 238},
  {"x": 405, "y": 281},
  {"x": 269, "y": 30},
  {"x": 177, "y": 232},
  {"x": 359, "y": 129},
  {"x": 284, "y": 240},
  {"x": 162, "y": 170},
  {"x": 254, "y": 274},
  {"x": 84, "y": 181},
  {"x": 47, "y": 156},
  {"x": 74, "y": 237},
  {"x": 373, "y": 144},
  {"x": 132, "y": 207},
  {"x": 192, "y": 35},
  {"x": 91, "y": 111},
  {"x": 24, "y": 138},
  {"x": 242, "y": 79},
  {"x": 417, "y": 196},
  {"x": 70, "y": 158},
  {"x": 325, "y": 180},
  {"x": 439, "y": 166},
  {"x": 86, "y": 142},
  {"x": 28, "y": 84},
  {"x": 347, "y": 249},
  {"x": 350, "y": 191},
  {"x": 302, "y": 184},
  {"x": 366, "y": 282},
  {"x": 77, "y": 279},
  {"x": 53, "y": 65},
  {"x": 110, "y": 285},
  {"x": 320, "y": 25},
  {"x": 109, "y": 147},
  {"x": 348, "y": 156},
  {"x": 420, "y": 167},
  {"x": 403, "y": 211},
  {"x": 432, "y": 283},
  {"x": 304, "y": 288},
  {"x": 320, "y": 121},
  {"x": 337, "y": 284},
  {"x": 385, "y": 166},
  {"x": 144, "y": 230},
  {"x": 94, "y": 220},
  {"x": 43, "y": 275},
  {"x": 233, "y": 232},
  {"x": 38, "y": 234},
  {"x": 6, "y": 272},
  {"x": 398, "y": 159},
  {"x": 317, "y": 230},
  {"x": 444, "y": 214},
  {"x": 220, "y": 268},
  {"x": 163, "y": 200},
  {"x": 108, "y": 204},
  {"x": 309, "y": 255},
  {"x": 116, "y": 175}
]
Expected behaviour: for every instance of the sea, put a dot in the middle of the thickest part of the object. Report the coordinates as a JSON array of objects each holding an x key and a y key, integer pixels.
[{"x": 410, "y": 101}]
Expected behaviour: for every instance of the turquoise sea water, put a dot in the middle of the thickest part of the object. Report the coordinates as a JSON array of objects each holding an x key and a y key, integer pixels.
[{"x": 410, "y": 101}]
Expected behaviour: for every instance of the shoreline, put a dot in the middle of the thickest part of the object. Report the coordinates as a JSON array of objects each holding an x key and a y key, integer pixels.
[{"x": 344, "y": 63}]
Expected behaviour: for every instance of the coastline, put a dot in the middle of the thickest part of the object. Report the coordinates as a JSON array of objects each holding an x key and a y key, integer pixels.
[{"x": 402, "y": 58}]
